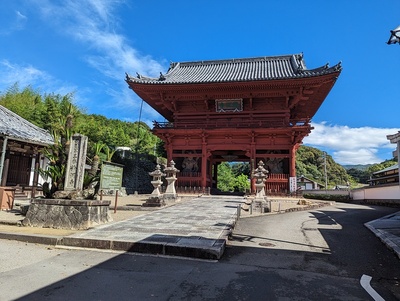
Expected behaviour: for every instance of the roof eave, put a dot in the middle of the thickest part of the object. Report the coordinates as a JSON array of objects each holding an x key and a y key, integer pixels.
[{"x": 30, "y": 141}]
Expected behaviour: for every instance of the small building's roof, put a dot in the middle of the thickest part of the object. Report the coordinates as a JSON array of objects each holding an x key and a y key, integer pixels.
[
  {"x": 14, "y": 126},
  {"x": 237, "y": 70},
  {"x": 393, "y": 167},
  {"x": 303, "y": 179},
  {"x": 394, "y": 138}
]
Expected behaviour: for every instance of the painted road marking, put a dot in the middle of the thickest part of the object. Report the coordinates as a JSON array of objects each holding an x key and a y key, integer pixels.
[{"x": 365, "y": 283}]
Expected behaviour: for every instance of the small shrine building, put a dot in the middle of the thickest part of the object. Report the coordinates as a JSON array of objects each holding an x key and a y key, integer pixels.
[
  {"x": 21, "y": 143},
  {"x": 236, "y": 110}
]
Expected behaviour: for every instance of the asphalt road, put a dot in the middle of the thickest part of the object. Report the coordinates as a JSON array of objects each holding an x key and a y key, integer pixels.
[{"x": 316, "y": 255}]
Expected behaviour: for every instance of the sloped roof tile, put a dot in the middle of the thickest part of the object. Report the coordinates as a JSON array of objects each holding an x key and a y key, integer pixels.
[
  {"x": 14, "y": 126},
  {"x": 237, "y": 70}
]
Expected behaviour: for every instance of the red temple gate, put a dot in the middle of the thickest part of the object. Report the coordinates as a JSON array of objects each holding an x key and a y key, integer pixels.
[{"x": 241, "y": 110}]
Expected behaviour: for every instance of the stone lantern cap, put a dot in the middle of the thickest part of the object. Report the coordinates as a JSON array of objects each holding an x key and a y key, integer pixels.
[
  {"x": 171, "y": 169},
  {"x": 260, "y": 172},
  {"x": 157, "y": 172}
]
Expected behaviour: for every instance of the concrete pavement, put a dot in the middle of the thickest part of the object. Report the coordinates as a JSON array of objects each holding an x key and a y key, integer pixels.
[
  {"x": 198, "y": 227},
  {"x": 195, "y": 228}
]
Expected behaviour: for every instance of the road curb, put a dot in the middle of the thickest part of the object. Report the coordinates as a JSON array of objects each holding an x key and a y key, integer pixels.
[
  {"x": 32, "y": 238},
  {"x": 387, "y": 238}
]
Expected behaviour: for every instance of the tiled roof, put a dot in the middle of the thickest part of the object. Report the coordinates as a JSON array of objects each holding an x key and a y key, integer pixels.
[
  {"x": 393, "y": 167},
  {"x": 14, "y": 126},
  {"x": 237, "y": 70},
  {"x": 394, "y": 138}
]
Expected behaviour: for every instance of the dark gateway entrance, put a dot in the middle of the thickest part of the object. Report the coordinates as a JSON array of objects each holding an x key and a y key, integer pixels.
[{"x": 246, "y": 110}]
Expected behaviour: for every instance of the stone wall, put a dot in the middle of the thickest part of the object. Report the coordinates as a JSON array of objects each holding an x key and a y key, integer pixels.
[{"x": 67, "y": 214}]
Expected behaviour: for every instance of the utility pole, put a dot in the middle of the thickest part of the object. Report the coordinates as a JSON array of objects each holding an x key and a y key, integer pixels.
[
  {"x": 395, "y": 138},
  {"x": 326, "y": 176}
]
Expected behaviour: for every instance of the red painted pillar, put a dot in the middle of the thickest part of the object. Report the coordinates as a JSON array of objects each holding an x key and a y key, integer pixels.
[
  {"x": 169, "y": 153},
  {"x": 203, "y": 166},
  {"x": 253, "y": 161},
  {"x": 292, "y": 171}
]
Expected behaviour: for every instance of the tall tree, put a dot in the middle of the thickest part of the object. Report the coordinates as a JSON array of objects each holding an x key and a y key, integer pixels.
[{"x": 27, "y": 103}]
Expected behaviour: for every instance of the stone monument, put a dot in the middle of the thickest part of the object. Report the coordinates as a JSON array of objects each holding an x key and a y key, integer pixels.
[
  {"x": 76, "y": 163},
  {"x": 260, "y": 175},
  {"x": 68, "y": 209}
]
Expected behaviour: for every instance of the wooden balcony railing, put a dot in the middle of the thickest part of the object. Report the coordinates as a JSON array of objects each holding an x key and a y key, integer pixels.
[{"x": 220, "y": 123}]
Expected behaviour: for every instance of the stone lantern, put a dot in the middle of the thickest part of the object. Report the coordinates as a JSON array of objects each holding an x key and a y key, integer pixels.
[
  {"x": 260, "y": 175},
  {"x": 170, "y": 171},
  {"x": 156, "y": 174}
]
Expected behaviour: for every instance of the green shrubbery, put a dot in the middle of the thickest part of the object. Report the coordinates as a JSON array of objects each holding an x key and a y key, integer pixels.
[{"x": 327, "y": 197}]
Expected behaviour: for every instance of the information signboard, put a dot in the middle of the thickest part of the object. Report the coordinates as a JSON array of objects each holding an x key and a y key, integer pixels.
[
  {"x": 111, "y": 176},
  {"x": 293, "y": 184}
]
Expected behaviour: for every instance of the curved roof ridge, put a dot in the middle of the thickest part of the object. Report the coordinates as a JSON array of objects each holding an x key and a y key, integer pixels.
[
  {"x": 236, "y": 60},
  {"x": 237, "y": 70}
]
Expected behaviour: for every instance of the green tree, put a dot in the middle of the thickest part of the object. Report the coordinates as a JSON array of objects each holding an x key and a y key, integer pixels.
[
  {"x": 310, "y": 162},
  {"x": 58, "y": 114},
  {"x": 239, "y": 168},
  {"x": 379, "y": 166},
  {"x": 241, "y": 183},
  {"x": 145, "y": 141},
  {"x": 359, "y": 176},
  {"x": 226, "y": 179},
  {"x": 26, "y": 103}
]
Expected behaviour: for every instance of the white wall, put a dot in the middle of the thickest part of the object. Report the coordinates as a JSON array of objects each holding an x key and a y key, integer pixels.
[
  {"x": 391, "y": 192},
  {"x": 43, "y": 162}
]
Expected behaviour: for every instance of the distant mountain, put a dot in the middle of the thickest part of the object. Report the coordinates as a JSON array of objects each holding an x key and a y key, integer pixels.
[{"x": 357, "y": 166}]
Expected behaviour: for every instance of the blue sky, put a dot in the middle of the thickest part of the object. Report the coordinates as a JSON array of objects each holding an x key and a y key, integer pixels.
[{"x": 86, "y": 47}]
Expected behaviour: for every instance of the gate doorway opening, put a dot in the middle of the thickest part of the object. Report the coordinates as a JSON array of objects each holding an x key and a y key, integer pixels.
[{"x": 233, "y": 178}]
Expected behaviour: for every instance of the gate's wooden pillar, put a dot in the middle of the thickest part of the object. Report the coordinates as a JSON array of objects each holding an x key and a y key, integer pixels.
[
  {"x": 204, "y": 170},
  {"x": 169, "y": 153},
  {"x": 292, "y": 167},
  {"x": 204, "y": 161},
  {"x": 253, "y": 162}
]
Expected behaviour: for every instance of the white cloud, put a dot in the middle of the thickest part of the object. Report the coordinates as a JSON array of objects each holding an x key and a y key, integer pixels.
[
  {"x": 20, "y": 20},
  {"x": 351, "y": 145},
  {"x": 14, "y": 22},
  {"x": 93, "y": 23},
  {"x": 28, "y": 75},
  {"x": 23, "y": 74}
]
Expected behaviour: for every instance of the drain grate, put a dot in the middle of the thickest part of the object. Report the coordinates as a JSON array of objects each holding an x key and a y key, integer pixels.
[{"x": 266, "y": 244}]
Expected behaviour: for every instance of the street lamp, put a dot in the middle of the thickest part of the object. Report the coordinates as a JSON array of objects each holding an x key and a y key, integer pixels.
[{"x": 394, "y": 36}]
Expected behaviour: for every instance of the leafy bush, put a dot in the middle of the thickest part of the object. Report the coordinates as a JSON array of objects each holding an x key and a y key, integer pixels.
[{"x": 327, "y": 197}]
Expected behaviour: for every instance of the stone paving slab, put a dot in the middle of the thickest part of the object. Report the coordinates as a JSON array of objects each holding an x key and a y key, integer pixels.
[
  {"x": 196, "y": 228},
  {"x": 386, "y": 224},
  {"x": 387, "y": 229}
]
